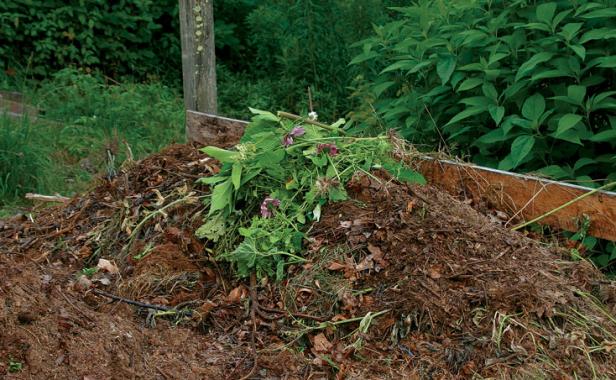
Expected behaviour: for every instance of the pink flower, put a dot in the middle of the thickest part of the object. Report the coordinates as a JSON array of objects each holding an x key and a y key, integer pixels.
[
  {"x": 268, "y": 205},
  {"x": 287, "y": 140},
  {"x": 331, "y": 149}
]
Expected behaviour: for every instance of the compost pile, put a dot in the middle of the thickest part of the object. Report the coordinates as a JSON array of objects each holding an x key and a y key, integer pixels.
[{"x": 400, "y": 281}]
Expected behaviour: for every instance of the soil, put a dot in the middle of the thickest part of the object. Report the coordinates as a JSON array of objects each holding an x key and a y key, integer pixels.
[{"x": 401, "y": 282}]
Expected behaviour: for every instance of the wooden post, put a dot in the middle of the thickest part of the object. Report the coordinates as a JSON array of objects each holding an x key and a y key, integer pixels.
[{"x": 198, "y": 55}]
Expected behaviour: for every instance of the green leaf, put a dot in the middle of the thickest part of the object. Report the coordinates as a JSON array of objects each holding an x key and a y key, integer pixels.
[
  {"x": 221, "y": 196},
  {"x": 579, "y": 50},
  {"x": 445, "y": 67},
  {"x": 213, "y": 228},
  {"x": 570, "y": 135},
  {"x": 222, "y": 155},
  {"x": 404, "y": 174},
  {"x": 547, "y": 74},
  {"x": 236, "y": 175},
  {"x": 494, "y": 136},
  {"x": 489, "y": 91},
  {"x": 576, "y": 93},
  {"x": 469, "y": 84},
  {"x": 605, "y": 136},
  {"x": 584, "y": 161},
  {"x": 529, "y": 65},
  {"x": 566, "y": 122},
  {"x": 570, "y": 30},
  {"x": 381, "y": 87},
  {"x": 598, "y": 34},
  {"x": 520, "y": 149},
  {"x": 264, "y": 115},
  {"x": 404, "y": 64},
  {"x": 465, "y": 114},
  {"x": 545, "y": 12},
  {"x": 533, "y": 107},
  {"x": 477, "y": 101},
  {"x": 363, "y": 57},
  {"x": 497, "y": 113},
  {"x": 270, "y": 158},
  {"x": 601, "y": 13},
  {"x": 607, "y": 62},
  {"x": 554, "y": 172}
]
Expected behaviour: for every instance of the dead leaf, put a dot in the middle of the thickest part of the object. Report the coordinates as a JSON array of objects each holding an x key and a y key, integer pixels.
[
  {"x": 434, "y": 273},
  {"x": 236, "y": 294},
  {"x": 410, "y": 205},
  {"x": 336, "y": 266},
  {"x": 107, "y": 266},
  {"x": 321, "y": 344},
  {"x": 366, "y": 263}
]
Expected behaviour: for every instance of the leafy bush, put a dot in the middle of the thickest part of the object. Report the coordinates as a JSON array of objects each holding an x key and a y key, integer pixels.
[
  {"x": 137, "y": 37},
  {"x": 518, "y": 85}
]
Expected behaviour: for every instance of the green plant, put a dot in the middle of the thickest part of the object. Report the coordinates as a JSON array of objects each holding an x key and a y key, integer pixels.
[
  {"x": 22, "y": 164},
  {"x": 518, "y": 85},
  {"x": 15, "y": 366},
  {"x": 287, "y": 171},
  {"x": 89, "y": 272},
  {"x": 135, "y": 37}
]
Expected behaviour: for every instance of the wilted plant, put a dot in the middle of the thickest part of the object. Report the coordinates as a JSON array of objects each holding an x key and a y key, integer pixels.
[{"x": 276, "y": 182}]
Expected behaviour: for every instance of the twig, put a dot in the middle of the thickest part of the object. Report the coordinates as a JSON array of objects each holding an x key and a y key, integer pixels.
[
  {"x": 253, "y": 312},
  {"x": 291, "y": 116},
  {"x": 47, "y": 198},
  {"x": 131, "y": 302},
  {"x": 567, "y": 204},
  {"x": 73, "y": 305}
]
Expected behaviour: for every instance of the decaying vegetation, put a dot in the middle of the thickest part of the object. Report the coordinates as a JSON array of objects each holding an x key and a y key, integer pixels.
[{"x": 389, "y": 278}]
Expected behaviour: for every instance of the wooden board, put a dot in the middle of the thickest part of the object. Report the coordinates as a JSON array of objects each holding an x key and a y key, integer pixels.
[
  {"x": 11, "y": 105},
  {"x": 522, "y": 197},
  {"x": 207, "y": 129}
]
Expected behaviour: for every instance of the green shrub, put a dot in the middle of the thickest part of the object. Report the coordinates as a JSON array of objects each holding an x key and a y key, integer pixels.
[
  {"x": 136, "y": 37},
  {"x": 519, "y": 85}
]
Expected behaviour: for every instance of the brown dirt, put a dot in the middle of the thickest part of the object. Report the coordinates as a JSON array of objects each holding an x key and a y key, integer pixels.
[{"x": 458, "y": 295}]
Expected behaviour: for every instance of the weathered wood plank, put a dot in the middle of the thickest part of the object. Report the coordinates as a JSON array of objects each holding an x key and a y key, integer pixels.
[
  {"x": 198, "y": 57},
  {"x": 525, "y": 197},
  {"x": 11, "y": 104},
  {"x": 522, "y": 197},
  {"x": 207, "y": 129}
]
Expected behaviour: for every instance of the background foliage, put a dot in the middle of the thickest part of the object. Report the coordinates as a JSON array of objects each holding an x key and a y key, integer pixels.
[
  {"x": 518, "y": 85},
  {"x": 269, "y": 49}
]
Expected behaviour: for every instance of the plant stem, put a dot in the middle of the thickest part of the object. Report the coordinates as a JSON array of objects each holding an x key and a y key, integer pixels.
[{"x": 293, "y": 117}]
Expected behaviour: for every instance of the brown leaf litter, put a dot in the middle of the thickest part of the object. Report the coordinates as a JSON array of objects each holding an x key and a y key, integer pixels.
[{"x": 402, "y": 282}]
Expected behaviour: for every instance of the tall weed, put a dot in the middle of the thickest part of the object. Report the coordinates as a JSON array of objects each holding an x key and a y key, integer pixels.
[{"x": 23, "y": 164}]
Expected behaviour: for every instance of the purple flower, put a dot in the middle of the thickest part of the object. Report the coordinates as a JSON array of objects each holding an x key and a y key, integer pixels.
[
  {"x": 331, "y": 149},
  {"x": 295, "y": 132},
  {"x": 267, "y": 206}
]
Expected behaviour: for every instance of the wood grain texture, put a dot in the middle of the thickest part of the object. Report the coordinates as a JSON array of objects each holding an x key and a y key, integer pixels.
[
  {"x": 206, "y": 129},
  {"x": 522, "y": 197},
  {"x": 525, "y": 197},
  {"x": 198, "y": 57}
]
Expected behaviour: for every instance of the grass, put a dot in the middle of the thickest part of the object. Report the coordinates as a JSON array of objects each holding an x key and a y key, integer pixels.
[{"x": 82, "y": 120}]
